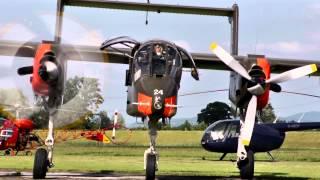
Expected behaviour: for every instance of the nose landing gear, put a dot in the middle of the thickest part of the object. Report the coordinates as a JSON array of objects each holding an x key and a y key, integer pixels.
[{"x": 151, "y": 156}]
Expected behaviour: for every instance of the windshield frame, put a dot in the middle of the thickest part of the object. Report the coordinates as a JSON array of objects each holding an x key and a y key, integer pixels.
[{"x": 146, "y": 66}]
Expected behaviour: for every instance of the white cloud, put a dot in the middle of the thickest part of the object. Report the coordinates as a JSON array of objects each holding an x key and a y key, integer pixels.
[
  {"x": 313, "y": 9},
  {"x": 314, "y": 36},
  {"x": 184, "y": 44},
  {"x": 75, "y": 32},
  {"x": 16, "y": 32},
  {"x": 290, "y": 49}
]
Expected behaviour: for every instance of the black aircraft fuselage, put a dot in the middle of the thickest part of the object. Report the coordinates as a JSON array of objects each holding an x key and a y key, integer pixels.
[
  {"x": 222, "y": 136},
  {"x": 153, "y": 77},
  {"x": 155, "y": 80}
]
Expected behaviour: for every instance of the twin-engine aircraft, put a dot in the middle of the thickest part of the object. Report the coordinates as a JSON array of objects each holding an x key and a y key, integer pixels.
[
  {"x": 153, "y": 78},
  {"x": 154, "y": 75}
]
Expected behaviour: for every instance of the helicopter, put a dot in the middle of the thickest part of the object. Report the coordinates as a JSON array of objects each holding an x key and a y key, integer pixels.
[
  {"x": 153, "y": 81},
  {"x": 222, "y": 136},
  {"x": 16, "y": 136}
]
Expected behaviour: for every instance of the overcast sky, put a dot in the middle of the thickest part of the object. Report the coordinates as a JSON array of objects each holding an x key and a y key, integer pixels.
[{"x": 287, "y": 29}]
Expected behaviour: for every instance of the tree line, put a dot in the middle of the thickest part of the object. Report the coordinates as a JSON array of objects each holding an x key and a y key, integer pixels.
[{"x": 82, "y": 97}]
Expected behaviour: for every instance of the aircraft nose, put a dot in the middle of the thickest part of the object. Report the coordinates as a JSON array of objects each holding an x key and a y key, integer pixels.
[{"x": 205, "y": 139}]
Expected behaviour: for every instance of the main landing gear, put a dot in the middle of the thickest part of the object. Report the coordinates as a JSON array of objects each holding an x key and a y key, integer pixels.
[
  {"x": 41, "y": 164},
  {"x": 245, "y": 160},
  {"x": 151, "y": 157},
  {"x": 246, "y": 166},
  {"x": 43, "y": 157}
]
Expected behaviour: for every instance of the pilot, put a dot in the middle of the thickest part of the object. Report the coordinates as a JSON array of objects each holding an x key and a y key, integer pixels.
[
  {"x": 158, "y": 60},
  {"x": 158, "y": 49}
]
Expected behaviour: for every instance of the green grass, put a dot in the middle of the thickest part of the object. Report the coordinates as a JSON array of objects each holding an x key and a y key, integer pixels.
[{"x": 180, "y": 154}]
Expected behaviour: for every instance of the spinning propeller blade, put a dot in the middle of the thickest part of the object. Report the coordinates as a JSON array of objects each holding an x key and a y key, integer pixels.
[
  {"x": 249, "y": 121},
  {"x": 293, "y": 74},
  {"x": 229, "y": 60}
]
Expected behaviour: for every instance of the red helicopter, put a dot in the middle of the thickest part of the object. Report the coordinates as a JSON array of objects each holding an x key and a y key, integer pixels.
[{"x": 16, "y": 136}]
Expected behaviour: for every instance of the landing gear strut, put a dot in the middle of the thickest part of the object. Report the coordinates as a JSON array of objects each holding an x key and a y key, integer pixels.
[
  {"x": 245, "y": 161},
  {"x": 150, "y": 155},
  {"x": 43, "y": 157}
]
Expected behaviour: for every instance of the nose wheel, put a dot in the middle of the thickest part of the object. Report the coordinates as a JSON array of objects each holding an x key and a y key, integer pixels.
[
  {"x": 151, "y": 156},
  {"x": 41, "y": 164},
  {"x": 151, "y": 166},
  {"x": 43, "y": 157},
  {"x": 246, "y": 166}
]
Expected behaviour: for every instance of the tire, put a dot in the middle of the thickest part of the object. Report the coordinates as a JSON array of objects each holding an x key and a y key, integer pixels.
[
  {"x": 246, "y": 166},
  {"x": 28, "y": 153},
  {"x": 40, "y": 166},
  {"x": 151, "y": 167}
]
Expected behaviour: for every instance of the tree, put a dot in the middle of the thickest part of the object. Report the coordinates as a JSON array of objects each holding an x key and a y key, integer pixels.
[
  {"x": 40, "y": 118},
  {"x": 214, "y": 112},
  {"x": 81, "y": 97},
  {"x": 11, "y": 101},
  {"x": 5, "y": 114},
  {"x": 85, "y": 89},
  {"x": 98, "y": 121},
  {"x": 267, "y": 114},
  {"x": 105, "y": 121},
  {"x": 186, "y": 126}
]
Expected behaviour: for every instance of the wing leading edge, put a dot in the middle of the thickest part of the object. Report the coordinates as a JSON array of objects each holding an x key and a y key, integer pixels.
[{"x": 94, "y": 54}]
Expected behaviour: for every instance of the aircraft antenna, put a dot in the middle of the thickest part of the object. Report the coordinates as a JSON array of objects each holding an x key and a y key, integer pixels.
[{"x": 147, "y": 13}]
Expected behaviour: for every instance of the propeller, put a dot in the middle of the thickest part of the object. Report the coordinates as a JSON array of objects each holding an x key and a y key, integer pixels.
[{"x": 256, "y": 86}]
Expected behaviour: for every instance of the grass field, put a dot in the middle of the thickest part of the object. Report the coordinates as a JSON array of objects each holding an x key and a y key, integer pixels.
[{"x": 180, "y": 154}]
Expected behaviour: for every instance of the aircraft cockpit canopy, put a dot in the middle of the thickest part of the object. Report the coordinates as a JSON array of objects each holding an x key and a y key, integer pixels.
[
  {"x": 159, "y": 59},
  {"x": 220, "y": 130}
]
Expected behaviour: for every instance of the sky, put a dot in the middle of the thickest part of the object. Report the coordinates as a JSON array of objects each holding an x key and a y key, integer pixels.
[{"x": 284, "y": 29}]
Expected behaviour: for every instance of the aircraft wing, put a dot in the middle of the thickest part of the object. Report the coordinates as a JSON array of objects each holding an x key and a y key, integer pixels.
[
  {"x": 137, "y": 6},
  {"x": 94, "y": 54}
]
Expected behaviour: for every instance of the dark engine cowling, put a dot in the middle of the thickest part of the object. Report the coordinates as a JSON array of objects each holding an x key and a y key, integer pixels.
[{"x": 45, "y": 70}]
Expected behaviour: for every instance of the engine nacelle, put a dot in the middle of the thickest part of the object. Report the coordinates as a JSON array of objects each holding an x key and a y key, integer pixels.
[{"x": 45, "y": 70}]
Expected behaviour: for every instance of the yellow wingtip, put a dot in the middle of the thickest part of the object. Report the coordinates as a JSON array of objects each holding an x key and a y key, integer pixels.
[
  {"x": 213, "y": 46},
  {"x": 245, "y": 142},
  {"x": 314, "y": 67}
]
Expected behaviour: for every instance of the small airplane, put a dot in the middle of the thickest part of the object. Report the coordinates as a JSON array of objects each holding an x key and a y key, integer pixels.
[
  {"x": 153, "y": 80},
  {"x": 222, "y": 136},
  {"x": 250, "y": 85},
  {"x": 16, "y": 136}
]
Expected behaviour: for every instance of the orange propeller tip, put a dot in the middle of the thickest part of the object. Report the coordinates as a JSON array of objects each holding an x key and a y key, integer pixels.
[{"x": 213, "y": 46}]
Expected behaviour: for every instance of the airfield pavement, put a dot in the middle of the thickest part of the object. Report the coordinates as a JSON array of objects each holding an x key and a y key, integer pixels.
[{"x": 89, "y": 176}]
